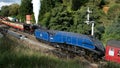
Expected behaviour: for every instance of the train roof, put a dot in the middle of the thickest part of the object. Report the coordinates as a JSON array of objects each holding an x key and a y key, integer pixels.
[
  {"x": 74, "y": 34},
  {"x": 114, "y": 43},
  {"x": 52, "y": 31}
]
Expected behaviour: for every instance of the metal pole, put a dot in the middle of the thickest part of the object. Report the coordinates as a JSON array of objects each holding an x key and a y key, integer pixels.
[
  {"x": 90, "y": 22},
  {"x": 88, "y": 15},
  {"x": 92, "y": 32}
]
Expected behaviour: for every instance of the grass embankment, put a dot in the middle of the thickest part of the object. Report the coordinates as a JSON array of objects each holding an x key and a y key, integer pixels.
[
  {"x": 111, "y": 65},
  {"x": 14, "y": 55}
]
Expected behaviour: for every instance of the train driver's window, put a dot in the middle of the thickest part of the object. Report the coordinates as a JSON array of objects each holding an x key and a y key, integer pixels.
[
  {"x": 118, "y": 53},
  {"x": 111, "y": 51}
]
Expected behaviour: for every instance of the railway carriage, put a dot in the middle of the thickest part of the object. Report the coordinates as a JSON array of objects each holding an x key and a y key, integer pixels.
[
  {"x": 14, "y": 25},
  {"x": 113, "y": 51}
]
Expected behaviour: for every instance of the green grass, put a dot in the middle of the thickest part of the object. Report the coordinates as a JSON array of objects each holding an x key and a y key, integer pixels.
[
  {"x": 14, "y": 55},
  {"x": 111, "y": 65}
]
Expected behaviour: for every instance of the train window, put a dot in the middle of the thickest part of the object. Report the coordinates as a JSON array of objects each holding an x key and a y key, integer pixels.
[
  {"x": 111, "y": 51},
  {"x": 119, "y": 53}
]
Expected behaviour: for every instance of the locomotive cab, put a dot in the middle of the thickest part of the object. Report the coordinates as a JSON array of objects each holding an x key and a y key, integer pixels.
[
  {"x": 30, "y": 28},
  {"x": 27, "y": 27}
]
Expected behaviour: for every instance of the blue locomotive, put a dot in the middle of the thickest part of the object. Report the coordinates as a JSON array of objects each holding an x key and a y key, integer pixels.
[
  {"x": 69, "y": 41},
  {"x": 72, "y": 40}
]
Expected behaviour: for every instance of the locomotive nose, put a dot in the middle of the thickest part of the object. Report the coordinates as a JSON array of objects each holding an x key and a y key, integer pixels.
[{"x": 100, "y": 47}]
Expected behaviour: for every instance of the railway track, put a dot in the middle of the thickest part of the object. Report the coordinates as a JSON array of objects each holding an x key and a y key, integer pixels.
[
  {"x": 30, "y": 39},
  {"x": 63, "y": 52}
]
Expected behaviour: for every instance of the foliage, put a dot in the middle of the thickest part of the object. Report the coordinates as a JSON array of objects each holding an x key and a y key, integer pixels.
[
  {"x": 5, "y": 11},
  {"x": 112, "y": 31},
  {"x": 17, "y": 11},
  {"x": 79, "y": 26},
  {"x": 13, "y": 9},
  {"x": 0, "y": 12},
  {"x": 47, "y": 5},
  {"x": 103, "y": 2},
  {"x": 61, "y": 20},
  {"x": 66, "y": 2},
  {"x": 45, "y": 20},
  {"x": 69, "y": 15},
  {"x": 25, "y": 9},
  {"x": 117, "y": 1},
  {"x": 76, "y": 4},
  {"x": 111, "y": 65},
  {"x": 114, "y": 12}
]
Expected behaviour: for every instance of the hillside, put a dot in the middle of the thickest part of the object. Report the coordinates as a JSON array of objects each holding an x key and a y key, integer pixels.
[
  {"x": 69, "y": 15},
  {"x": 14, "y": 54},
  {"x": 63, "y": 15}
]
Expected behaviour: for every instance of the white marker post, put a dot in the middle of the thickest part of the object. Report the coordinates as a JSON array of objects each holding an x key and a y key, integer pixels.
[
  {"x": 92, "y": 32},
  {"x": 90, "y": 22}
]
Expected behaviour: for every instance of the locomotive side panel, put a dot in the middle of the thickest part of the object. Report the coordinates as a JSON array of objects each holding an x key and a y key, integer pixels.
[{"x": 41, "y": 35}]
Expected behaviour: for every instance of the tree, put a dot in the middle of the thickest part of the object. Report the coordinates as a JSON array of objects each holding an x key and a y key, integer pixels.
[
  {"x": 102, "y": 3},
  {"x": 60, "y": 19},
  {"x": 46, "y": 8},
  {"x": 47, "y": 5},
  {"x": 25, "y": 8},
  {"x": 0, "y": 12},
  {"x": 13, "y": 9},
  {"x": 114, "y": 12},
  {"x": 112, "y": 31},
  {"x": 5, "y": 11},
  {"x": 117, "y": 1},
  {"x": 76, "y": 4}
]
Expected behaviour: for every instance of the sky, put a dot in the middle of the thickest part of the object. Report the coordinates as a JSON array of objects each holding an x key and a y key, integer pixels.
[{"x": 8, "y": 2}]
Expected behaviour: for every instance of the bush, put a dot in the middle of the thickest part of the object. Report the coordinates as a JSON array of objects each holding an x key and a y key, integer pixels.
[
  {"x": 45, "y": 20},
  {"x": 114, "y": 12},
  {"x": 112, "y": 31},
  {"x": 117, "y": 1},
  {"x": 76, "y": 4}
]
